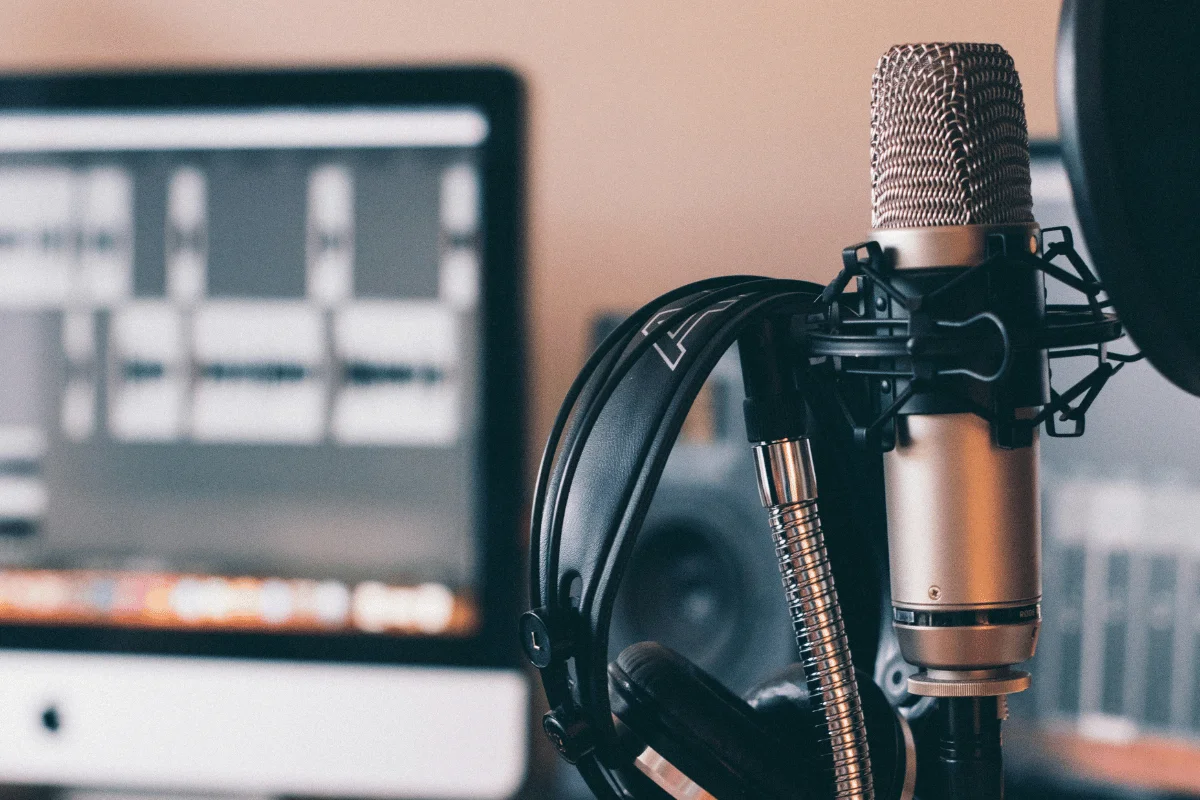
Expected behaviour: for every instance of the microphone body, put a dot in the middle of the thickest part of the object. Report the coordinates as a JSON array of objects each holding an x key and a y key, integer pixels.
[
  {"x": 965, "y": 550},
  {"x": 963, "y": 506}
]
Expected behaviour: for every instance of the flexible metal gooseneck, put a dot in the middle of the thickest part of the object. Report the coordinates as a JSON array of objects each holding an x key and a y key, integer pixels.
[{"x": 788, "y": 488}]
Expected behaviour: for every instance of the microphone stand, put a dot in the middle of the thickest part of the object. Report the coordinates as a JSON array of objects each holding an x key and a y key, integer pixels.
[
  {"x": 777, "y": 424},
  {"x": 969, "y": 760},
  {"x": 937, "y": 379},
  {"x": 848, "y": 358},
  {"x": 970, "y": 747}
]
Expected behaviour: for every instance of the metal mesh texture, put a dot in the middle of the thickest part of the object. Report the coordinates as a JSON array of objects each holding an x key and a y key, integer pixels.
[{"x": 949, "y": 145}]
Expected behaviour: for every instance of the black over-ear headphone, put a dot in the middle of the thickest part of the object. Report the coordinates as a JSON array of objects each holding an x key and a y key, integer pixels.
[{"x": 686, "y": 734}]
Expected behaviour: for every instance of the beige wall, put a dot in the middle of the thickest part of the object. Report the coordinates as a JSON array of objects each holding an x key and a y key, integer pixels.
[{"x": 668, "y": 140}]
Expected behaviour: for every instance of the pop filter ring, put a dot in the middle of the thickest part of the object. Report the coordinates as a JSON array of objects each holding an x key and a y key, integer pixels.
[{"x": 1120, "y": 71}]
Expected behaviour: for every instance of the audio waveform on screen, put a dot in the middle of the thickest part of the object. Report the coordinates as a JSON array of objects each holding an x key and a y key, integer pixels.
[{"x": 188, "y": 365}]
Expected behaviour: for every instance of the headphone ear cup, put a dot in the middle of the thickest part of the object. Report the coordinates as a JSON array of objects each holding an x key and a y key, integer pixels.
[
  {"x": 702, "y": 728},
  {"x": 783, "y": 704}
]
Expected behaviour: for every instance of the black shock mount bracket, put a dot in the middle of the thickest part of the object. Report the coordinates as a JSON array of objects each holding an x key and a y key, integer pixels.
[{"x": 963, "y": 339}]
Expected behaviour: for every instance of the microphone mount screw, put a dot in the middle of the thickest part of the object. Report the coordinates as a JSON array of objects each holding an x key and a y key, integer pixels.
[{"x": 935, "y": 593}]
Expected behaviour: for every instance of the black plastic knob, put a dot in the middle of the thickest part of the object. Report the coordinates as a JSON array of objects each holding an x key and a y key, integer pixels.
[
  {"x": 569, "y": 734},
  {"x": 542, "y": 639}
]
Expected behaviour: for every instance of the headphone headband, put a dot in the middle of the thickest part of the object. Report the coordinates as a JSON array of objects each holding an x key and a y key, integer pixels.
[{"x": 629, "y": 405}]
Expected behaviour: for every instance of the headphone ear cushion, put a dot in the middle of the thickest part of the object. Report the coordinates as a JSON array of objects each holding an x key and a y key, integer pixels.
[
  {"x": 783, "y": 704},
  {"x": 701, "y": 727}
]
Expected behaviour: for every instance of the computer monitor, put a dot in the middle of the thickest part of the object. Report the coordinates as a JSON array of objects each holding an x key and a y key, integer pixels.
[{"x": 261, "y": 432}]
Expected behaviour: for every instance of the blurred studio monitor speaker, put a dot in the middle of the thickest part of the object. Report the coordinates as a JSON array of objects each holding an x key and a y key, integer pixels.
[{"x": 704, "y": 579}]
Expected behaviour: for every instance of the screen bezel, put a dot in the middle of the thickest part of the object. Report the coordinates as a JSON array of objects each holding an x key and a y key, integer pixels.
[{"x": 498, "y": 93}]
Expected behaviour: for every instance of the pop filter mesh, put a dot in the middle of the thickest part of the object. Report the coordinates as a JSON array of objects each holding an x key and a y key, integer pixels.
[{"x": 949, "y": 145}]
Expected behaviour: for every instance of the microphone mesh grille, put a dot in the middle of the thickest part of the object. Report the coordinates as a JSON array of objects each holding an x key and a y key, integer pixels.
[{"x": 949, "y": 145}]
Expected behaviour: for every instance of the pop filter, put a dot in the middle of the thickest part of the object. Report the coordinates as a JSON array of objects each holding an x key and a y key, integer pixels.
[{"x": 1129, "y": 113}]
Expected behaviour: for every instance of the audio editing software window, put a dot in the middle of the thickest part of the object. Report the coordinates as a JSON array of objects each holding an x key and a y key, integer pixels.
[{"x": 239, "y": 381}]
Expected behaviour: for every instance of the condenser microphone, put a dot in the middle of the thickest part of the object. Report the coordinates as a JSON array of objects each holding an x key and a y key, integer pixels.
[
  {"x": 950, "y": 188},
  {"x": 950, "y": 185}
]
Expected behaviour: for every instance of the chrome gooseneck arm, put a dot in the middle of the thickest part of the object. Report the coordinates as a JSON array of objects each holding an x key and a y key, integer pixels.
[{"x": 788, "y": 487}]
